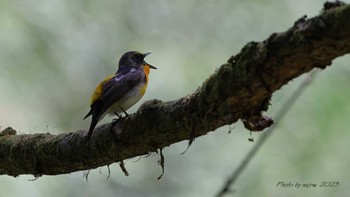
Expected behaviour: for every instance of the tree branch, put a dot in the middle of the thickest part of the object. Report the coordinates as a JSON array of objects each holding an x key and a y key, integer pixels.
[{"x": 239, "y": 89}]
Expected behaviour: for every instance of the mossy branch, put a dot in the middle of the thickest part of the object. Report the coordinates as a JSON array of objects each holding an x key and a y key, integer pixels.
[{"x": 239, "y": 89}]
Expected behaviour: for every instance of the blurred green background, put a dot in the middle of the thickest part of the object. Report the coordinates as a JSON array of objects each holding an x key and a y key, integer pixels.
[{"x": 54, "y": 52}]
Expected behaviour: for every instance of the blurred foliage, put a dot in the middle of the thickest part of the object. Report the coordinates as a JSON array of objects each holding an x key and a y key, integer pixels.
[{"x": 54, "y": 52}]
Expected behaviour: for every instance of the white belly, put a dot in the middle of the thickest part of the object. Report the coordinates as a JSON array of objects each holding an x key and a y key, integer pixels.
[{"x": 127, "y": 101}]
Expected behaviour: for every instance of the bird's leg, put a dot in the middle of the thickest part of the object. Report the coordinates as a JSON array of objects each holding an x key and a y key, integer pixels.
[
  {"x": 115, "y": 121},
  {"x": 118, "y": 117},
  {"x": 126, "y": 114}
]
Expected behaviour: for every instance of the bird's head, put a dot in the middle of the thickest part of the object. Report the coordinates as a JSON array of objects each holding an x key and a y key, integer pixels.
[{"x": 135, "y": 59}]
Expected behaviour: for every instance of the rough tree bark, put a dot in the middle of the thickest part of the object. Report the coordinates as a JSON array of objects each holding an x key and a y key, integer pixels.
[{"x": 239, "y": 89}]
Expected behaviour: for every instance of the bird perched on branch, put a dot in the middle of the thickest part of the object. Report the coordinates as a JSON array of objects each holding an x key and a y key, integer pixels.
[{"x": 119, "y": 92}]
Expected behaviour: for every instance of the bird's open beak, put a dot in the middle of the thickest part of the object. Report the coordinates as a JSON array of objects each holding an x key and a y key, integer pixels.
[
  {"x": 144, "y": 55},
  {"x": 153, "y": 67}
]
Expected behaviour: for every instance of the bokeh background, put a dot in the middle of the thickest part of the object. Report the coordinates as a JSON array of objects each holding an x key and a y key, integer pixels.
[{"x": 54, "y": 52}]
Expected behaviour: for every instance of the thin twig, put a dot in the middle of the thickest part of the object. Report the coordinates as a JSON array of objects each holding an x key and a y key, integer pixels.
[
  {"x": 122, "y": 166},
  {"x": 281, "y": 113},
  {"x": 161, "y": 163}
]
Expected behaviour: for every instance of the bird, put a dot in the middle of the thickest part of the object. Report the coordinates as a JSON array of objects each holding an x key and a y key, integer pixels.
[{"x": 117, "y": 93}]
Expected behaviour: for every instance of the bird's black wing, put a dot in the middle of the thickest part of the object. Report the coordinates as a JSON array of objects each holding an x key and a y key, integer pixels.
[
  {"x": 119, "y": 85},
  {"x": 113, "y": 90}
]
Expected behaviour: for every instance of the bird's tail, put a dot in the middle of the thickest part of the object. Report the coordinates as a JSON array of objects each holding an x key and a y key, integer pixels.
[
  {"x": 93, "y": 124},
  {"x": 96, "y": 116},
  {"x": 88, "y": 114}
]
